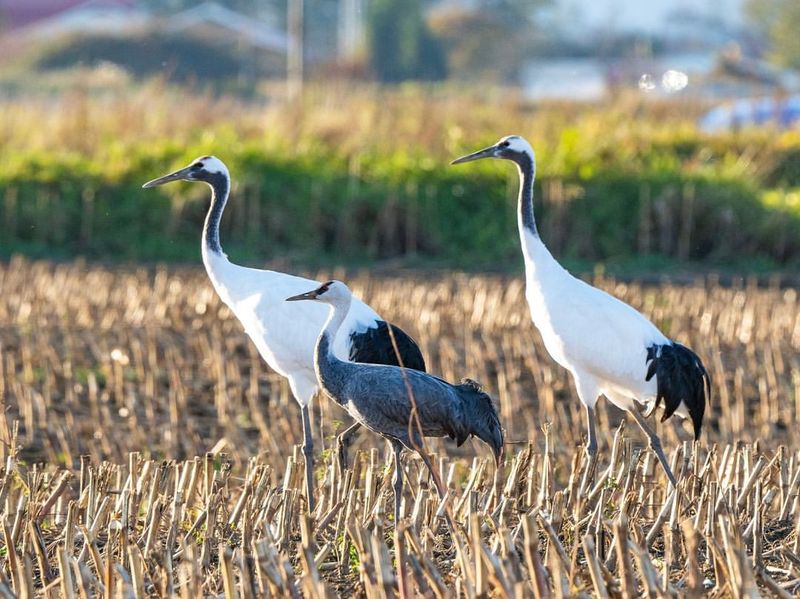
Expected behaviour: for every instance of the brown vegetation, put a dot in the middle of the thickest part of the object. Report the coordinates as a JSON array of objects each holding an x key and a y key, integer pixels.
[{"x": 114, "y": 380}]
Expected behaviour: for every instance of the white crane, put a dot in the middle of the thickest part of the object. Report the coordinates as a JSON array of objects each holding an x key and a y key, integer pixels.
[
  {"x": 383, "y": 398},
  {"x": 285, "y": 333},
  {"x": 609, "y": 348}
]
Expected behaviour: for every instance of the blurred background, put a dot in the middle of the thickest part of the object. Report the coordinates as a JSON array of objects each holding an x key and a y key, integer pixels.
[{"x": 666, "y": 135}]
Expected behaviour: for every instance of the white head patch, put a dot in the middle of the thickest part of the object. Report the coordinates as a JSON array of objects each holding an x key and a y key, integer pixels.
[
  {"x": 212, "y": 164},
  {"x": 334, "y": 291},
  {"x": 518, "y": 144}
]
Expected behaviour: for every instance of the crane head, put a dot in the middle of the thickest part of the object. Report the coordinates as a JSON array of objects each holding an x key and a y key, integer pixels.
[
  {"x": 511, "y": 147},
  {"x": 331, "y": 292},
  {"x": 205, "y": 168}
]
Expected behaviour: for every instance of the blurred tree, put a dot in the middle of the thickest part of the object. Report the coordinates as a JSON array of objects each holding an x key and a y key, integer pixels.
[
  {"x": 779, "y": 21},
  {"x": 400, "y": 46},
  {"x": 489, "y": 39}
]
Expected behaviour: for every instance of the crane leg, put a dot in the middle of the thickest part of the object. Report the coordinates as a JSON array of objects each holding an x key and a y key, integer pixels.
[
  {"x": 591, "y": 445},
  {"x": 591, "y": 450},
  {"x": 308, "y": 457},
  {"x": 343, "y": 441},
  {"x": 655, "y": 442},
  {"x": 398, "y": 481},
  {"x": 588, "y": 392},
  {"x": 436, "y": 480}
]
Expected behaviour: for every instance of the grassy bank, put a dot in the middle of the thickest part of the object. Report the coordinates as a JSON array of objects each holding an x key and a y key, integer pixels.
[{"x": 363, "y": 175}]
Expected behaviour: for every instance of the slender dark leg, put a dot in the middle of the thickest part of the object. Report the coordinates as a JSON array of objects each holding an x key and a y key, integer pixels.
[
  {"x": 655, "y": 442},
  {"x": 398, "y": 481},
  {"x": 399, "y": 541},
  {"x": 343, "y": 441},
  {"x": 436, "y": 481},
  {"x": 308, "y": 455},
  {"x": 440, "y": 488},
  {"x": 591, "y": 445},
  {"x": 591, "y": 449}
]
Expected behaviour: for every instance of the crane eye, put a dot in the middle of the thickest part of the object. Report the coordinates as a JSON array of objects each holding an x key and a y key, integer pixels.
[
  {"x": 197, "y": 166},
  {"x": 505, "y": 144}
]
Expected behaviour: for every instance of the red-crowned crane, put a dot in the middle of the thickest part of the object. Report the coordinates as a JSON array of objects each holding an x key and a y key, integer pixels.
[
  {"x": 382, "y": 397},
  {"x": 286, "y": 333},
  {"x": 609, "y": 348}
]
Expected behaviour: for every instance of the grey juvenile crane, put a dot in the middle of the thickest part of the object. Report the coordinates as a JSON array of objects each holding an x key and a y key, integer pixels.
[
  {"x": 285, "y": 334},
  {"x": 380, "y": 397}
]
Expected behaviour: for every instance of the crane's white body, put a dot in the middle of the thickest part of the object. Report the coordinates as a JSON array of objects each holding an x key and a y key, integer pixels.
[
  {"x": 609, "y": 348},
  {"x": 601, "y": 340},
  {"x": 285, "y": 333}
]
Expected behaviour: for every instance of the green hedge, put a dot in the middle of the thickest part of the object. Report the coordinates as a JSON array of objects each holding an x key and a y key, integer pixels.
[{"x": 324, "y": 208}]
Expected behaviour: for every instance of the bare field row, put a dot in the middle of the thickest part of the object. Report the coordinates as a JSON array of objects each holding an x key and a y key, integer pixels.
[{"x": 140, "y": 370}]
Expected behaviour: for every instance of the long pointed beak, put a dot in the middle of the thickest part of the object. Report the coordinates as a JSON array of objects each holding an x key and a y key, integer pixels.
[
  {"x": 484, "y": 153},
  {"x": 176, "y": 176},
  {"x": 311, "y": 295}
]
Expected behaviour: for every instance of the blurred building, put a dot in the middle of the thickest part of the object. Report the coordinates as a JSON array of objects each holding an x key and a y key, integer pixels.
[
  {"x": 700, "y": 48},
  {"x": 653, "y": 16},
  {"x": 208, "y": 42},
  {"x": 215, "y": 19},
  {"x": 43, "y": 18}
]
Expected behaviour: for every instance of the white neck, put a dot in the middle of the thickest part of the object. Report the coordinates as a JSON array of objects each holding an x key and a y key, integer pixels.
[
  {"x": 539, "y": 262},
  {"x": 338, "y": 313}
]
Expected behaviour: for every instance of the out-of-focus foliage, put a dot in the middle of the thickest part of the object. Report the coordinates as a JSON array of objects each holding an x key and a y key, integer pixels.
[
  {"x": 779, "y": 21},
  {"x": 489, "y": 39},
  {"x": 356, "y": 173},
  {"x": 477, "y": 44},
  {"x": 400, "y": 44}
]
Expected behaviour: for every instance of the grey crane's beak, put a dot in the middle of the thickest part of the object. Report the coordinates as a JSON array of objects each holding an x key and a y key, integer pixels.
[
  {"x": 311, "y": 295},
  {"x": 484, "y": 153},
  {"x": 179, "y": 175}
]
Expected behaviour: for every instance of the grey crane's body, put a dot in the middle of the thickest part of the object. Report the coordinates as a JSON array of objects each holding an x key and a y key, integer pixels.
[
  {"x": 382, "y": 398},
  {"x": 378, "y": 398}
]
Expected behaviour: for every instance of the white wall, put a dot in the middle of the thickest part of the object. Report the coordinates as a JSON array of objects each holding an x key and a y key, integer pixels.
[{"x": 638, "y": 15}]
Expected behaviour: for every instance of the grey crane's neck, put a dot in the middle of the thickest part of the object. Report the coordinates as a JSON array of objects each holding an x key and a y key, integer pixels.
[
  {"x": 527, "y": 174},
  {"x": 330, "y": 369},
  {"x": 220, "y": 188}
]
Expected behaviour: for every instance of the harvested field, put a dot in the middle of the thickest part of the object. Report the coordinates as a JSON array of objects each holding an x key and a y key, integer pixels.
[{"x": 148, "y": 451}]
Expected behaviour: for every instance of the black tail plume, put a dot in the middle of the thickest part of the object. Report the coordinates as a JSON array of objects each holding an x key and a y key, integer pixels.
[
  {"x": 681, "y": 377},
  {"x": 480, "y": 417}
]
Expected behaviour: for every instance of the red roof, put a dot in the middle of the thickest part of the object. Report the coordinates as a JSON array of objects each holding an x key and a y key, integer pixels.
[{"x": 19, "y": 13}]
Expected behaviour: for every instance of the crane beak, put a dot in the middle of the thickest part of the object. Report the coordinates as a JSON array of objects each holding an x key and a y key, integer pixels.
[
  {"x": 182, "y": 174},
  {"x": 311, "y": 295},
  {"x": 484, "y": 153}
]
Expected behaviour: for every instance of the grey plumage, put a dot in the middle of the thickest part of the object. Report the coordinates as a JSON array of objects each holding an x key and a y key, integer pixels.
[
  {"x": 383, "y": 344},
  {"x": 382, "y": 397},
  {"x": 379, "y": 398}
]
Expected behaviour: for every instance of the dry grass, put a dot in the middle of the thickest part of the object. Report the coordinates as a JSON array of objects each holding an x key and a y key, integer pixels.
[
  {"x": 115, "y": 380},
  {"x": 94, "y": 119}
]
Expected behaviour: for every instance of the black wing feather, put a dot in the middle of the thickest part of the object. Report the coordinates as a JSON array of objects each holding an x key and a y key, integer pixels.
[
  {"x": 374, "y": 346},
  {"x": 680, "y": 377}
]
